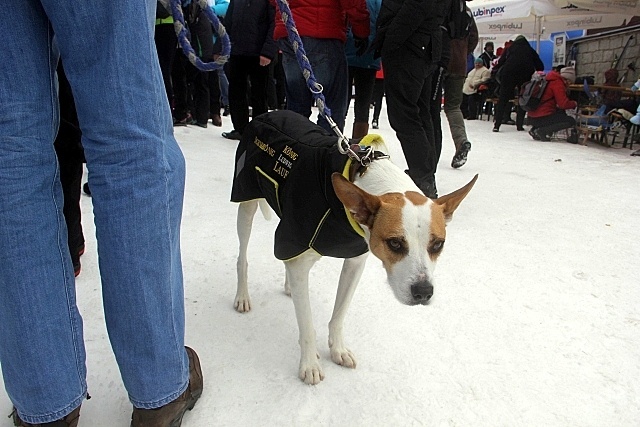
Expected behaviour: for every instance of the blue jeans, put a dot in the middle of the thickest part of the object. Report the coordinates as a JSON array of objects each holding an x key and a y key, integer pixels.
[
  {"x": 329, "y": 65},
  {"x": 136, "y": 174}
]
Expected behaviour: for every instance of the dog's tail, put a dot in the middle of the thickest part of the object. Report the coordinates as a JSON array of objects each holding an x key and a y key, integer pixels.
[{"x": 265, "y": 209}]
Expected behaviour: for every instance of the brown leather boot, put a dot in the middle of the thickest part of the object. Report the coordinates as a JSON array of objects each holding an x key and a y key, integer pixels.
[
  {"x": 360, "y": 129},
  {"x": 170, "y": 415},
  {"x": 70, "y": 420}
]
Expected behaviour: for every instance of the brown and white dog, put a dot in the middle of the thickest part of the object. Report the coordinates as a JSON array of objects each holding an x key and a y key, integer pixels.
[{"x": 401, "y": 226}]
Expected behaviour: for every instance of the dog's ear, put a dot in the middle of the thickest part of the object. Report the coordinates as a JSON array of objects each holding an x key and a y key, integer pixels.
[
  {"x": 362, "y": 205},
  {"x": 451, "y": 201}
]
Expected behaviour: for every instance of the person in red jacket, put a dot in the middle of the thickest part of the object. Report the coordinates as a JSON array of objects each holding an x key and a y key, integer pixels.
[
  {"x": 550, "y": 116},
  {"x": 322, "y": 25}
]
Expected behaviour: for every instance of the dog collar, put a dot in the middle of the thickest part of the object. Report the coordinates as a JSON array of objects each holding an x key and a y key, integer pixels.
[
  {"x": 362, "y": 154},
  {"x": 365, "y": 155}
]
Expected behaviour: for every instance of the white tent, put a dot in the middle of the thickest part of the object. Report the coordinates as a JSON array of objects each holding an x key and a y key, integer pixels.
[
  {"x": 628, "y": 7},
  {"x": 534, "y": 18}
]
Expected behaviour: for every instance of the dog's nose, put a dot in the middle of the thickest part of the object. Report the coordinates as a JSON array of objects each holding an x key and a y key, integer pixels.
[{"x": 422, "y": 292}]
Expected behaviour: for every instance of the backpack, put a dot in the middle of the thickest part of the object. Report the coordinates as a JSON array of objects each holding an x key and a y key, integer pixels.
[
  {"x": 532, "y": 91},
  {"x": 460, "y": 20}
]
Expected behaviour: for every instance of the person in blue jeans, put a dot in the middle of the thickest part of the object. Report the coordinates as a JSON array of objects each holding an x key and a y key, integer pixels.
[
  {"x": 329, "y": 65},
  {"x": 136, "y": 173},
  {"x": 322, "y": 26}
]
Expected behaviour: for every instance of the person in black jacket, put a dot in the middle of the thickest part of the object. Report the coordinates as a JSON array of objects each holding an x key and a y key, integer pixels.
[
  {"x": 516, "y": 65},
  {"x": 410, "y": 41},
  {"x": 166, "y": 40},
  {"x": 250, "y": 27},
  {"x": 190, "y": 85},
  {"x": 487, "y": 55}
]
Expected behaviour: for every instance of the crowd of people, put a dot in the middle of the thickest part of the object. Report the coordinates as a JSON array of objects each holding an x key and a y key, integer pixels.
[
  {"x": 263, "y": 74},
  {"x": 345, "y": 59},
  {"x": 502, "y": 77},
  {"x": 124, "y": 99}
]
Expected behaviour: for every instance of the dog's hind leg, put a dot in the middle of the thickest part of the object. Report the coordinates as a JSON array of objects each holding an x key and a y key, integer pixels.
[
  {"x": 349, "y": 278},
  {"x": 287, "y": 286},
  {"x": 246, "y": 212},
  {"x": 310, "y": 370}
]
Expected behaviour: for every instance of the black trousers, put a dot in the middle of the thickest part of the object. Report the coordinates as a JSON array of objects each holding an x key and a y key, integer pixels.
[
  {"x": 70, "y": 155},
  {"x": 437, "y": 85},
  {"x": 214, "y": 93},
  {"x": 363, "y": 80},
  {"x": 408, "y": 89},
  {"x": 276, "y": 84},
  {"x": 473, "y": 104},
  {"x": 166, "y": 40},
  {"x": 378, "y": 94},
  {"x": 243, "y": 69},
  {"x": 70, "y": 161},
  {"x": 507, "y": 92},
  {"x": 190, "y": 89},
  {"x": 547, "y": 125}
]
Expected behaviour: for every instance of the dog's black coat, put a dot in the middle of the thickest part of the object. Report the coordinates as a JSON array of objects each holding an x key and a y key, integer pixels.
[{"x": 287, "y": 160}]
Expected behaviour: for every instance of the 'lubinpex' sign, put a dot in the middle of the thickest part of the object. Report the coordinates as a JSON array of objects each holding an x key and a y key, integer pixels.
[{"x": 483, "y": 12}]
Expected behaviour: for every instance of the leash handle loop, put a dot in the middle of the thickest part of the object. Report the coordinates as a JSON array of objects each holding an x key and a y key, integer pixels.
[{"x": 183, "y": 34}]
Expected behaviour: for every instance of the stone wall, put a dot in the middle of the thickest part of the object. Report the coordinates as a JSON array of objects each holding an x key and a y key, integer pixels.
[{"x": 596, "y": 54}]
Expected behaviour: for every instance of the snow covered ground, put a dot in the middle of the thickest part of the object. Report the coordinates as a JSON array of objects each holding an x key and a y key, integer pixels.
[{"x": 535, "y": 319}]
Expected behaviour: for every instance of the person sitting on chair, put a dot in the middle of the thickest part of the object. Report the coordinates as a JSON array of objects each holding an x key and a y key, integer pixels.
[
  {"x": 471, "y": 97},
  {"x": 550, "y": 116}
]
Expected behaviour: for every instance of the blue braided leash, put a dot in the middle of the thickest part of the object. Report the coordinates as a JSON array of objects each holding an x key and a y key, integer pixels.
[
  {"x": 183, "y": 34},
  {"x": 307, "y": 72}
]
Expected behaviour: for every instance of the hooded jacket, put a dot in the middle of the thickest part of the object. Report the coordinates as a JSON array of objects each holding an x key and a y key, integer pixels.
[
  {"x": 519, "y": 61},
  {"x": 554, "y": 97}
]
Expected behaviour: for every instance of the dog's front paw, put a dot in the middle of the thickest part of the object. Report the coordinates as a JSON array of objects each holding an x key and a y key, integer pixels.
[
  {"x": 242, "y": 303},
  {"x": 343, "y": 357},
  {"x": 311, "y": 373},
  {"x": 340, "y": 354}
]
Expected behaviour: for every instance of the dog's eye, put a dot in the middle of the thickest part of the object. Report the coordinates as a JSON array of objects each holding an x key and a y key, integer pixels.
[
  {"x": 396, "y": 244},
  {"x": 436, "y": 246}
]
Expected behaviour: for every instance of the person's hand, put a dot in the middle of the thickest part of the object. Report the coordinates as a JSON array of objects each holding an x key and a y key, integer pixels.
[
  {"x": 264, "y": 61},
  {"x": 361, "y": 45}
]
